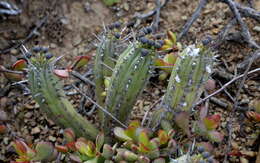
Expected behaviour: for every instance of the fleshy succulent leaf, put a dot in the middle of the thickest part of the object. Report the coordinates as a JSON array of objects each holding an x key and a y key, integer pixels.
[
  {"x": 211, "y": 122},
  {"x": 163, "y": 137},
  {"x": 69, "y": 135},
  {"x": 19, "y": 65},
  {"x": 120, "y": 134},
  {"x": 61, "y": 148},
  {"x": 81, "y": 61},
  {"x": 100, "y": 141},
  {"x": 108, "y": 151},
  {"x": 143, "y": 138},
  {"x": 44, "y": 150},
  {"x": 21, "y": 147},
  {"x": 61, "y": 73},
  {"x": 172, "y": 37}
]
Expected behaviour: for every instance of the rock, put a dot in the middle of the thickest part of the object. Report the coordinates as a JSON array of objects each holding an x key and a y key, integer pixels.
[
  {"x": 126, "y": 6},
  {"x": 6, "y": 140},
  {"x": 51, "y": 138},
  {"x": 53, "y": 46},
  {"x": 14, "y": 51},
  {"x": 35, "y": 130},
  {"x": 3, "y": 116},
  {"x": 28, "y": 115},
  {"x": 256, "y": 28}
]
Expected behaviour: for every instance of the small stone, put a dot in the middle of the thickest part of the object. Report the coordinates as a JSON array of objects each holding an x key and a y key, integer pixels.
[
  {"x": 3, "y": 116},
  {"x": 14, "y": 51},
  {"x": 28, "y": 115},
  {"x": 256, "y": 28},
  {"x": 6, "y": 140},
  {"x": 51, "y": 138},
  {"x": 53, "y": 46},
  {"x": 126, "y": 6},
  {"x": 35, "y": 130}
]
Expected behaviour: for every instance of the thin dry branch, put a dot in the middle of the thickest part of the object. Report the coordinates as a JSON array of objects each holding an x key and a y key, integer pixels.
[
  {"x": 193, "y": 18},
  {"x": 225, "y": 85}
]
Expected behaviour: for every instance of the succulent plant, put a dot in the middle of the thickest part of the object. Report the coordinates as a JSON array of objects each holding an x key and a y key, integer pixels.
[
  {"x": 43, "y": 151},
  {"x": 103, "y": 67},
  {"x": 140, "y": 145},
  {"x": 131, "y": 73},
  {"x": 83, "y": 150},
  {"x": 254, "y": 114},
  {"x": 206, "y": 126},
  {"x": 47, "y": 91},
  {"x": 191, "y": 71},
  {"x": 172, "y": 48}
]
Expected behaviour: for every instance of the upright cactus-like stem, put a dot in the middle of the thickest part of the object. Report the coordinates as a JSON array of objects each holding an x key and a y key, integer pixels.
[
  {"x": 128, "y": 80},
  {"x": 48, "y": 93},
  {"x": 105, "y": 56},
  {"x": 191, "y": 70}
]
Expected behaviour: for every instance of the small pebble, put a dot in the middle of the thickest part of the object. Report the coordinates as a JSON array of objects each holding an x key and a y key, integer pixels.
[{"x": 256, "y": 28}]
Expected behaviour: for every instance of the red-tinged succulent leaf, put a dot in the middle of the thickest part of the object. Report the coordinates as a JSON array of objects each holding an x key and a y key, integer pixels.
[
  {"x": 91, "y": 149},
  {"x": 19, "y": 65},
  {"x": 62, "y": 148},
  {"x": 3, "y": 129},
  {"x": 135, "y": 124},
  {"x": 172, "y": 36},
  {"x": 100, "y": 141},
  {"x": 253, "y": 115},
  {"x": 13, "y": 76},
  {"x": 82, "y": 147},
  {"x": 182, "y": 120},
  {"x": 163, "y": 137},
  {"x": 206, "y": 145},
  {"x": 212, "y": 122},
  {"x": 44, "y": 151},
  {"x": 20, "y": 147},
  {"x": 170, "y": 59},
  {"x": 71, "y": 146},
  {"x": 69, "y": 135},
  {"x": 86, "y": 148},
  {"x": 143, "y": 148},
  {"x": 215, "y": 136},
  {"x": 120, "y": 134},
  {"x": 203, "y": 112},
  {"x": 61, "y": 73},
  {"x": 81, "y": 61},
  {"x": 143, "y": 138}
]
